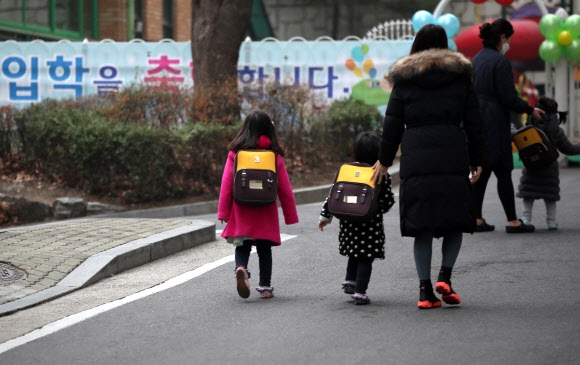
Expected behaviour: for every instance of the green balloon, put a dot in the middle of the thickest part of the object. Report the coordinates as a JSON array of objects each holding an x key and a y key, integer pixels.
[
  {"x": 550, "y": 51},
  {"x": 573, "y": 25},
  {"x": 573, "y": 51},
  {"x": 551, "y": 25}
]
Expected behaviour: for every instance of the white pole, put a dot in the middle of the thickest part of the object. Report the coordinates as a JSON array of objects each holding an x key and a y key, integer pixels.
[{"x": 440, "y": 7}]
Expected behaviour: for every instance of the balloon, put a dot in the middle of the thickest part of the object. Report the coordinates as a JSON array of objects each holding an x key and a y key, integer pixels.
[
  {"x": 365, "y": 48},
  {"x": 573, "y": 51},
  {"x": 450, "y": 23},
  {"x": 573, "y": 25},
  {"x": 550, "y": 25},
  {"x": 357, "y": 71},
  {"x": 357, "y": 54},
  {"x": 451, "y": 44},
  {"x": 550, "y": 51},
  {"x": 373, "y": 72},
  {"x": 478, "y": 1},
  {"x": 368, "y": 65},
  {"x": 565, "y": 38},
  {"x": 350, "y": 64},
  {"x": 421, "y": 18},
  {"x": 504, "y": 2}
]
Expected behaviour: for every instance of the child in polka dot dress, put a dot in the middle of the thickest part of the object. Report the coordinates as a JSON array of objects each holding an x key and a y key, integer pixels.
[{"x": 362, "y": 242}]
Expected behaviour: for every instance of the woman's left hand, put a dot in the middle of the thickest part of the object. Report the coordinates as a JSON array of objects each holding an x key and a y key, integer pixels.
[
  {"x": 379, "y": 172},
  {"x": 475, "y": 173}
]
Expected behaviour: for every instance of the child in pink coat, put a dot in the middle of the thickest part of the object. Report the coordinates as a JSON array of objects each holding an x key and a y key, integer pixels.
[{"x": 249, "y": 226}]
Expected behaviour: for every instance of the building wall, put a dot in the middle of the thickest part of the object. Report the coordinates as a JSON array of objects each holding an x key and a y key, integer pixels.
[
  {"x": 310, "y": 20},
  {"x": 113, "y": 20},
  {"x": 152, "y": 20},
  {"x": 181, "y": 21}
]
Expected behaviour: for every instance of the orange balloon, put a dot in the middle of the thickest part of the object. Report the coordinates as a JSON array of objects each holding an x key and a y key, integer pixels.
[
  {"x": 350, "y": 64},
  {"x": 565, "y": 38}
]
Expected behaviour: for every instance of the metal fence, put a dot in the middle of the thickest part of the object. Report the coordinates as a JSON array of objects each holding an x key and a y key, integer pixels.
[{"x": 392, "y": 30}]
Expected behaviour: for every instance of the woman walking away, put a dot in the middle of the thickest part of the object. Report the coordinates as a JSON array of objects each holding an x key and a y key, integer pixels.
[
  {"x": 494, "y": 85},
  {"x": 433, "y": 114},
  {"x": 362, "y": 242},
  {"x": 258, "y": 226}
]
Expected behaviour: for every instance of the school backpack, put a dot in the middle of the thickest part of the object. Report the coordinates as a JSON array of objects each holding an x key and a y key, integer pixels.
[
  {"x": 534, "y": 147},
  {"x": 353, "y": 196},
  {"x": 255, "y": 177}
]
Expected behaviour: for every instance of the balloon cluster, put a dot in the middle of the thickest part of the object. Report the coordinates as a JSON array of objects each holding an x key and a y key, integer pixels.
[
  {"x": 358, "y": 54},
  {"x": 449, "y": 22},
  {"x": 500, "y": 2},
  {"x": 561, "y": 37}
]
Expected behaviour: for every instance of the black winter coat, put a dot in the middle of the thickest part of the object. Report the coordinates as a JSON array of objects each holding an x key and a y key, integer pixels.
[
  {"x": 545, "y": 183},
  {"x": 494, "y": 85},
  {"x": 433, "y": 114}
]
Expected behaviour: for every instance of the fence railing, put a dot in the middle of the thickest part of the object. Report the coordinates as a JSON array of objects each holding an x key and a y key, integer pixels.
[{"x": 392, "y": 30}]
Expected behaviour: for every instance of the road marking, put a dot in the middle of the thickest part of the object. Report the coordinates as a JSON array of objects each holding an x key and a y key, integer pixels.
[{"x": 89, "y": 313}]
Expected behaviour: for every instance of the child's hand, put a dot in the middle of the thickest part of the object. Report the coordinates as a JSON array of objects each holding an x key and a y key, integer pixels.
[
  {"x": 321, "y": 225},
  {"x": 224, "y": 221}
]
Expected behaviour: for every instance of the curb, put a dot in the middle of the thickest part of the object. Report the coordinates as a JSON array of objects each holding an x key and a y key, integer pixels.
[{"x": 118, "y": 259}]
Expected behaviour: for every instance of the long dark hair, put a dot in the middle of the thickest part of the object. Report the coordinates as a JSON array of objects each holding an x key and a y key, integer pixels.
[
  {"x": 256, "y": 124},
  {"x": 366, "y": 147},
  {"x": 428, "y": 37},
  {"x": 491, "y": 33}
]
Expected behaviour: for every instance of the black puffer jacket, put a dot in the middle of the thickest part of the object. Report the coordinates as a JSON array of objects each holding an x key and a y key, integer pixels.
[
  {"x": 433, "y": 113},
  {"x": 545, "y": 183}
]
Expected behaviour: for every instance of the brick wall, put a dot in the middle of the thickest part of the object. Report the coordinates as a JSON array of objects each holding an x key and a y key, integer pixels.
[
  {"x": 152, "y": 20},
  {"x": 181, "y": 21},
  {"x": 113, "y": 19}
]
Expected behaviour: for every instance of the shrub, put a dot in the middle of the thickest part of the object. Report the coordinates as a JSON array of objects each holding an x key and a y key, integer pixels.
[
  {"x": 336, "y": 130},
  {"x": 140, "y": 144}
]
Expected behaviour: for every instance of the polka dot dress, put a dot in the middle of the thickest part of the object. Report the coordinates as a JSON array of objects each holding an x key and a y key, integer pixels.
[{"x": 364, "y": 239}]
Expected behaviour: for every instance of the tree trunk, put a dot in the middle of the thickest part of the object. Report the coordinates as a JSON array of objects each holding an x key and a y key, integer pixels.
[{"x": 218, "y": 29}]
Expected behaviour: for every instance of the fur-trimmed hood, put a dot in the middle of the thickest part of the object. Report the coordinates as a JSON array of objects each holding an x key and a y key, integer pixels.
[{"x": 431, "y": 67}]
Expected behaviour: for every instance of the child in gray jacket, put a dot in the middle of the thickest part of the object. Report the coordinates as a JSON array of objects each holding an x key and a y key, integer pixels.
[{"x": 544, "y": 183}]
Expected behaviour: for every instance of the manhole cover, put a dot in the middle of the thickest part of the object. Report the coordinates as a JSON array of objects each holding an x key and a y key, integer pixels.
[{"x": 10, "y": 273}]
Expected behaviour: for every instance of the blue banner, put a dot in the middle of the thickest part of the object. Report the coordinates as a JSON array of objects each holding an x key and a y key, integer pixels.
[{"x": 32, "y": 71}]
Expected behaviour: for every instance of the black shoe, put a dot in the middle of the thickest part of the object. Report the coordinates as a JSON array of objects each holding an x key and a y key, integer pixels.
[
  {"x": 484, "y": 227},
  {"x": 427, "y": 298},
  {"x": 522, "y": 228}
]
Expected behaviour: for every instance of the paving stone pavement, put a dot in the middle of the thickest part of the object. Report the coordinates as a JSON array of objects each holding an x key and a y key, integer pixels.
[{"x": 35, "y": 261}]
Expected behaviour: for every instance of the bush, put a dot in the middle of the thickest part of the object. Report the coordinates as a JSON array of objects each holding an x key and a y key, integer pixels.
[
  {"x": 139, "y": 145},
  {"x": 336, "y": 130}
]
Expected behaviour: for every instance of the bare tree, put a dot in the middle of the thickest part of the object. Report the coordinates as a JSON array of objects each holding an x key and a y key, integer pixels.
[{"x": 218, "y": 29}]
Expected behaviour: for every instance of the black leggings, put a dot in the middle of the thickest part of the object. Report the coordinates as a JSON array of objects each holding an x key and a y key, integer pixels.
[
  {"x": 359, "y": 270},
  {"x": 505, "y": 189},
  {"x": 264, "y": 249}
]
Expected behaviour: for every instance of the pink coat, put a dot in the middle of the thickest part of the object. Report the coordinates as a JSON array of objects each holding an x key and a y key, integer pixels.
[{"x": 256, "y": 222}]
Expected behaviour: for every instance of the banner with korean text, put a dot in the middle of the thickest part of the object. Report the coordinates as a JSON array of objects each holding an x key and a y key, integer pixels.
[{"x": 33, "y": 71}]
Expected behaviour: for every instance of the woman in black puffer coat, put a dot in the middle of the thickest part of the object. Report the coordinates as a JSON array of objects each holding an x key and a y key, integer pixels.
[
  {"x": 545, "y": 183},
  {"x": 433, "y": 114}
]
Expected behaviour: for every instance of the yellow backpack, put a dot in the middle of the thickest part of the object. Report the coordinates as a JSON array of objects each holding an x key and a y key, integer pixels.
[{"x": 255, "y": 177}]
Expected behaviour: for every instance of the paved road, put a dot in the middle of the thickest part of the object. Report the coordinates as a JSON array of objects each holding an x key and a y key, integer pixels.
[{"x": 519, "y": 297}]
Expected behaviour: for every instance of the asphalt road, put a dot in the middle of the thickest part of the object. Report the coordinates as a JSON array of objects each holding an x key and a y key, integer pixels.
[{"x": 519, "y": 296}]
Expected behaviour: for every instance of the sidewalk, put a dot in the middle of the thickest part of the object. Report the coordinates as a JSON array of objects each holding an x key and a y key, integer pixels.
[{"x": 42, "y": 262}]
